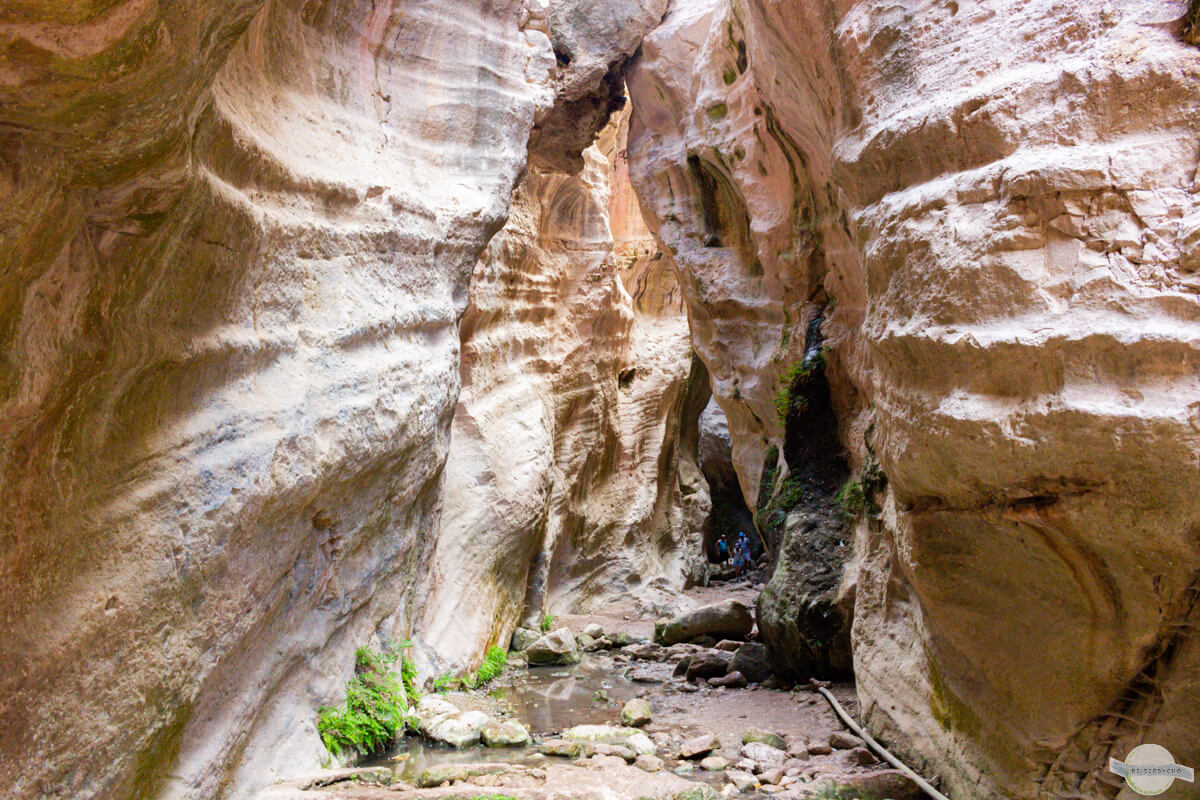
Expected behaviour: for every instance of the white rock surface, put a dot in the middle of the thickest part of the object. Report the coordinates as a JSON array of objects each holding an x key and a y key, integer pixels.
[{"x": 996, "y": 201}]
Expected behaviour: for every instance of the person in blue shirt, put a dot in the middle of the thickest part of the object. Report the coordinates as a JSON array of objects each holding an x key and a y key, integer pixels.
[{"x": 722, "y": 550}]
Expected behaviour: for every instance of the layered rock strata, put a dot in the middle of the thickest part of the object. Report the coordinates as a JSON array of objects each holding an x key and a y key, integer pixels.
[
  {"x": 997, "y": 205},
  {"x": 237, "y": 238},
  {"x": 573, "y": 474}
]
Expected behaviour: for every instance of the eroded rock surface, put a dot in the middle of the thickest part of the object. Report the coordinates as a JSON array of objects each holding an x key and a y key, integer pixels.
[
  {"x": 237, "y": 239},
  {"x": 994, "y": 207}
]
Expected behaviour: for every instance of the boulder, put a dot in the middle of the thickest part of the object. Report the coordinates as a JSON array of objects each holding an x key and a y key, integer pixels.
[
  {"x": 611, "y": 734},
  {"x": 593, "y": 630},
  {"x": 764, "y": 737},
  {"x": 641, "y": 744},
  {"x": 861, "y": 756},
  {"x": 448, "y": 773},
  {"x": 764, "y": 754},
  {"x": 523, "y": 637},
  {"x": 840, "y": 740},
  {"x": 751, "y": 660},
  {"x": 636, "y": 713},
  {"x": 708, "y": 664},
  {"x": 891, "y": 783},
  {"x": 730, "y": 619},
  {"x": 504, "y": 734},
  {"x": 699, "y": 746},
  {"x": 734, "y": 680},
  {"x": 560, "y": 747},
  {"x": 772, "y": 776},
  {"x": 457, "y": 730},
  {"x": 742, "y": 781},
  {"x": 556, "y": 647},
  {"x": 621, "y": 751},
  {"x": 649, "y": 763}
]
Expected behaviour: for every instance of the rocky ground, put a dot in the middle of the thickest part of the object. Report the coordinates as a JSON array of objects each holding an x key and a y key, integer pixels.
[{"x": 665, "y": 719}]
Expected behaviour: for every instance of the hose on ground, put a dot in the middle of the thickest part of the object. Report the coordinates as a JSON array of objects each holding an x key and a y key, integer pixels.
[{"x": 878, "y": 748}]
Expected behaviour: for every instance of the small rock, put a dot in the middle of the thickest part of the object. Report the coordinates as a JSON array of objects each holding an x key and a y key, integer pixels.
[
  {"x": 773, "y": 775},
  {"x": 649, "y": 763},
  {"x": 819, "y": 748},
  {"x": 557, "y": 647},
  {"x": 703, "y": 641},
  {"x": 606, "y": 734},
  {"x": 605, "y": 762},
  {"x": 862, "y": 757},
  {"x": 794, "y": 764},
  {"x": 636, "y": 713},
  {"x": 734, "y": 680},
  {"x": 700, "y": 791},
  {"x": 644, "y": 651},
  {"x": 841, "y": 740},
  {"x": 681, "y": 668},
  {"x": 798, "y": 749},
  {"x": 504, "y": 734},
  {"x": 687, "y": 687},
  {"x": 713, "y": 763},
  {"x": 641, "y": 744},
  {"x": 560, "y": 747},
  {"x": 523, "y": 637},
  {"x": 751, "y": 660},
  {"x": 764, "y": 754},
  {"x": 626, "y": 754},
  {"x": 593, "y": 630},
  {"x": 708, "y": 664},
  {"x": 764, "y": 737},
  {"x": 686, "y": 768},
  {"x": 600, "y": 696},
  {"x": 699, "y": 746},
  {"x": 748, "y": 765},
  {"x": 728, "y": 645},
  {"x": 583, "y": 641},
  {"x": 744, "y": 781},
  {"x": 645, "y": 676}
]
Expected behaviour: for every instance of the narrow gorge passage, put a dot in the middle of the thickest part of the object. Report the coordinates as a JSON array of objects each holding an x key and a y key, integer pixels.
[{"x": 380, "y": 378}]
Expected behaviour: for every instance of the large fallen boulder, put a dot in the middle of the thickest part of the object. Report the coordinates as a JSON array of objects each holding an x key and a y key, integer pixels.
[
  {"x": 729, "y": 619},
  {"x": 556, "y": 647},
  {"x": 441, "y": 721}
]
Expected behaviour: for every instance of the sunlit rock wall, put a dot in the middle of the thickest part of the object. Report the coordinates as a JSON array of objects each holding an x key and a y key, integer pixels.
[
  {"x": 995, "y": 203},
  {"x": 572, "y": 476},
  {"x": 236, "y": 240}
]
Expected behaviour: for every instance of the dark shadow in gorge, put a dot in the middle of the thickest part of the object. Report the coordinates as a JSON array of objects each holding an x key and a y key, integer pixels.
[{"x": 801, "y": 514}]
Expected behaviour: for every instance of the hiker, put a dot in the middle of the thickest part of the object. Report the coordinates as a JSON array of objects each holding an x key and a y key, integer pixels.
[
  {"x": 722, "y": 550},
  {"x": 741, "y": 554}
]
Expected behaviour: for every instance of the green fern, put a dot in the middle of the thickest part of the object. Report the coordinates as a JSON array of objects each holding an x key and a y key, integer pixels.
[
  {"x": 494, "y": 662},
  {"x": 547, "y": 623},
  {"x": 374, "y": 711}
]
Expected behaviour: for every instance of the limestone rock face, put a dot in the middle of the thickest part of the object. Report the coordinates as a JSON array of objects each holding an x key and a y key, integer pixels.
[
  {"x": 994, "y": 205},
  {"x": 573, "y": 474},
  {"x": 236, "y": 240}
]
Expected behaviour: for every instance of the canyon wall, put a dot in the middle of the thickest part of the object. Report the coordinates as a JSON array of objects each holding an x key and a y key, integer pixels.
[
  {"x": 236, "y": 239},
  {"x": 573, "y": 470},
  {"x": 992, "y": 207}
]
